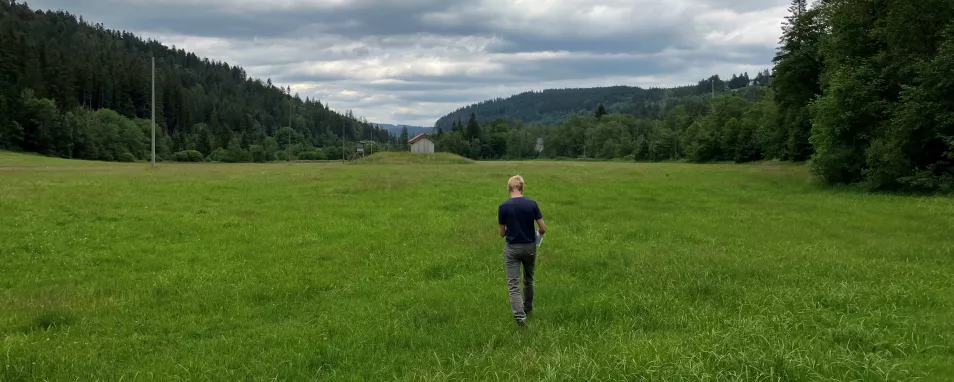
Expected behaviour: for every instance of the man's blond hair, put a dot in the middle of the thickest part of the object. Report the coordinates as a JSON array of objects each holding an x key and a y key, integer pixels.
[{"x": 515, "y": 183}]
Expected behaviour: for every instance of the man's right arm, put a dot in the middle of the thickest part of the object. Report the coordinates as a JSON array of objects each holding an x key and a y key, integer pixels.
[{"x": 501, "y": 221}]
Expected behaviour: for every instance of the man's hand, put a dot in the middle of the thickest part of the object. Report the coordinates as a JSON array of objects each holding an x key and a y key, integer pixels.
[
  {"x": 503, "y": 230},
  {"x": 543, "y": 227}
]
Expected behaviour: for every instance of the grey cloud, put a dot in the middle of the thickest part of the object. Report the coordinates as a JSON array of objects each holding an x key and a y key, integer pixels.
[
  {"x": 406, "y": 86},
  {"x": 286, "y": 43},
  {"x": 356, "y": 18},
  {"x": 746, "y": 5},
  {"x": 554, "y": 69},
  {"x": 647, "y": 43},
  {"x": 361, "y": 51},
  {"x": 455, "y": 96},
  {"x": 360, "y": 19},
  {"x": 282, "y": 78},
  {"x": 411, "y": 116},
  {"x": 565, "y": 68},
  {"x": 584, "y": 68}
]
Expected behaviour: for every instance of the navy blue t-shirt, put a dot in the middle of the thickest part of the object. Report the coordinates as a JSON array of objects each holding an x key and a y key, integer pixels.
[{"x": 518, "y": 214}]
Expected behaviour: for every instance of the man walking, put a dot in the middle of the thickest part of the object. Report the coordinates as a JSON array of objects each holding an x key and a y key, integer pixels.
[{"x": 516, "y": 217}]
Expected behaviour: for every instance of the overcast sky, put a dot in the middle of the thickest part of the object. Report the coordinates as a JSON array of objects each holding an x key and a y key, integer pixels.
[{"x": 412, "y": 61}]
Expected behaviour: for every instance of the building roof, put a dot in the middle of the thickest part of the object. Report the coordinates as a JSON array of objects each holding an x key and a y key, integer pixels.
[{"x": 419, "y": 137}]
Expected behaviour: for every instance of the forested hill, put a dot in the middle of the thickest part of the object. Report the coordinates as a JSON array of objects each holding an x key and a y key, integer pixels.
[
  {"x": 76, "y": 90},
  {"x": 553, "y": 106}
]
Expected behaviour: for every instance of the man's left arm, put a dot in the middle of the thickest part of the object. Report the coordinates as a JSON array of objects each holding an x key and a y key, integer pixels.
[{"x": 538, "y": 216}]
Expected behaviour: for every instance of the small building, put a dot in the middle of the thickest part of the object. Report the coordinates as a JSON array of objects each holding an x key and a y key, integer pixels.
[{"x": 422, "y": 144}]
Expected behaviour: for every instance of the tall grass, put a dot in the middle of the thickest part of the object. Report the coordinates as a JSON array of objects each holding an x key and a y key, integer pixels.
[{"x": 359, "y": 272}]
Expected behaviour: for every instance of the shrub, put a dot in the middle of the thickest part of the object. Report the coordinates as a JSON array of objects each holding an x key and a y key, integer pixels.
[
  {"x": 188, "y": 156},
  {"x": 236, "y": 154},
  {"x": 127, "y": 157},
  {"x": 311, "y": 155},
  {"x": 331, "y": 152},
  {"x": 257, "y": 153},
  {"x": 218, "y": 155}
]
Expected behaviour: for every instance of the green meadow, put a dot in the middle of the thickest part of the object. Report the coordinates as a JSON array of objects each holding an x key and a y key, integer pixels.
[{"x": 391, "y": 269}]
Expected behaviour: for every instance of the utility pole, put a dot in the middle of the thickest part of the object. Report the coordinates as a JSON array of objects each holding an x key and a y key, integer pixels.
[
  {"x": 153, "y": 111},
  {"x": 342, "y": 142},
  {"x": 288, "y": 153}
]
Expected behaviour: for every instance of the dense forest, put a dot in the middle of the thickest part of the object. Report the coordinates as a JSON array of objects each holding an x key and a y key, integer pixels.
[
  {"x": 76, "y": 90},
  {"x": 861, "y": 89},
  {"x": 736, "y": 126},
  {"x": 553, "y": 106}
]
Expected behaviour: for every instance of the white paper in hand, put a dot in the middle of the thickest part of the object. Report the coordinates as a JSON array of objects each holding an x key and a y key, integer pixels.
[{"x": 539, "y": 239}]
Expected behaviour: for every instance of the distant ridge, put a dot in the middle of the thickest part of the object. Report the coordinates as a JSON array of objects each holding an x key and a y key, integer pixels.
[
  {"x": 553, "y": 106},
  {"x": 395, "y": 130}
]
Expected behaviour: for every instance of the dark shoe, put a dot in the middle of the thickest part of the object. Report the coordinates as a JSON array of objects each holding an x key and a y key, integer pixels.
[{"x": 522, "y": 323}]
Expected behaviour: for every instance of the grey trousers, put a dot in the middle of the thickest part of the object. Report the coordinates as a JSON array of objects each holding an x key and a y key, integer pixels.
[{"x": 516, "y": 255}]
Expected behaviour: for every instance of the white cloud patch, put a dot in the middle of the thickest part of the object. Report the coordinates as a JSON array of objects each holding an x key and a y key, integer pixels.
[{"x": 413, "y": 61}]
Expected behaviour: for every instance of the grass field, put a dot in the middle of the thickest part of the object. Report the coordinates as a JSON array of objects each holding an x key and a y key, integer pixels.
[
  {"x": 411, "y": 158},
  {"x": 379, "y": 271}
]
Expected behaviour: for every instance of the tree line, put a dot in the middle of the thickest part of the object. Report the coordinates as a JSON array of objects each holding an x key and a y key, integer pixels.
[
  {"x": 713, "y": 120},
  {"x": 865, "y": 89},
  {"x": 738, "y": 126},
  {"x": 861, "y": 89},
  {"x": 72, "y": 89}
]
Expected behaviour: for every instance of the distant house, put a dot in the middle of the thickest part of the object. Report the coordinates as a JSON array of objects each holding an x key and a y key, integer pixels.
[{"x": 422, "y": 144}]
